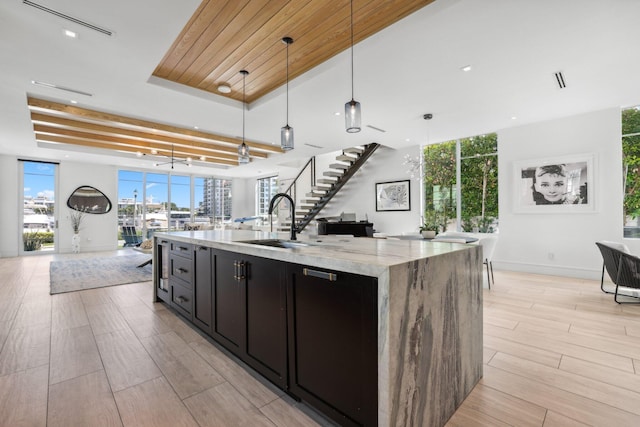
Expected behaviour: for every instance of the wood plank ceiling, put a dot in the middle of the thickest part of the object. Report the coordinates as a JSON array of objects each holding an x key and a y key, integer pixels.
[
  {"x": 64, "y": 124},
  {"x": 224, "y": 37}
]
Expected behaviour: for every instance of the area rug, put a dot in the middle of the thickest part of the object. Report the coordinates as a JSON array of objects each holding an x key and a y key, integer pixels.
[{"x": 88, "y": 273}]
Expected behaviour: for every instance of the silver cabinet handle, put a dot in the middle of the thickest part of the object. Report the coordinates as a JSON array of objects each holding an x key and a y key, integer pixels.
[
  {"x": 239, "y": 271},
  {"x": 332, "y": 277},
  {"x": 182, "y": 248},
  {"x": 181, "y": 299},
  {"x": 182, "y": 270}
]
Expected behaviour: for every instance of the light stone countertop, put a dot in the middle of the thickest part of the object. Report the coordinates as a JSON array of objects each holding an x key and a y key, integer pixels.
[
  {"x": 429, "y": 312},
  {"x": 359, "y": 255}
]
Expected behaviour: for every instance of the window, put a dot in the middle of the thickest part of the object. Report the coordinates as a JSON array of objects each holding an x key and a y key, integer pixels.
[
  {"x": 472, "y": 205},
  {"x": 631, "y": 171},
  {"x": 161, "y": 201},
  {"x": 479, "y": 183},
  {"x": 180, "y": 201},
  {"x": 266, "y": 188}
]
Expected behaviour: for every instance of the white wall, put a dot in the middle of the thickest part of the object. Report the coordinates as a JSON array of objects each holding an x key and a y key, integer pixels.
[
  {"x": 243, "y": 197},
  {"x": 358, "y": 195},
  {"x": 562, "y": 243},
  {"x": 97, "y": 232},
  {"x": 9, "y": 206}
]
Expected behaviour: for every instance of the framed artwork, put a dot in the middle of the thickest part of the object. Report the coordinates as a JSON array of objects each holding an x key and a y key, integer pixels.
[
  {"x": 554, "y": 185},
  {"x": 393, "y": 196}
]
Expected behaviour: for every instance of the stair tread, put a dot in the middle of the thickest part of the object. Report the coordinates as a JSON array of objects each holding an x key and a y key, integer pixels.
[
  {"x": 346, "y": 158},
  {"x": 333, "y": 173},
  {"x": 357, "y": 150},
  {"x": 339, "y": 166},
  {"x": 326, "y": 181}
]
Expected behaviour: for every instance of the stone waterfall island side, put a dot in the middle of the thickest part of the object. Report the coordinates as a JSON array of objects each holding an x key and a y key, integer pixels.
[{"x": 429, "y": 312}]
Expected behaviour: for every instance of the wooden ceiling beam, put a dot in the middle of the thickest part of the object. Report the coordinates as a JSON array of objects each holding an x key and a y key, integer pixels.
[
  {"x": 151, "y": 140},
  {"x": 131, "y": 145},
  {"x": 57, "y": 139},
  {"x": 85, "y": 114}
]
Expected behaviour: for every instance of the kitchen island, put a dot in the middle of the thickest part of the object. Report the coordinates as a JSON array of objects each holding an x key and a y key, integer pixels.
[{"x": 406, "y": 315}]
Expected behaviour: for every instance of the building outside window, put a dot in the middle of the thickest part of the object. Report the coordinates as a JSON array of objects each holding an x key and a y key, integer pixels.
[
  {"x": 266, "y": 188},
  {"x": 161, "y": 201},
  {"x": 217, "y": 199}
]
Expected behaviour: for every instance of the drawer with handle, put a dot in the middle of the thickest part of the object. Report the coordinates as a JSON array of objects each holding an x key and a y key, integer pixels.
[
  {"x": 182, "y": 268},
  {"x": 182, "y": 298},
  {"x": 182, "y": 249}
]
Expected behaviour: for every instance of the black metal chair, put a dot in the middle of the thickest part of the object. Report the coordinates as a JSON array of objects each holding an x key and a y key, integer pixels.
[
  {"x": 622, "y": 267},
  {"x": 130, "y": 236}
]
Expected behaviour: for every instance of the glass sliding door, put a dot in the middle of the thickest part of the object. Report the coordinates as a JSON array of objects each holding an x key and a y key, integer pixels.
[
  {"x": 180, "y": 197},
  {"x": 38, "y": 221},
  {"x": 130, "y": 194}
]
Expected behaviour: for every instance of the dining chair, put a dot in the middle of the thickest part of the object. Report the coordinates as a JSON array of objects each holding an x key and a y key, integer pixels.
[{"x": 621, "y": 266}]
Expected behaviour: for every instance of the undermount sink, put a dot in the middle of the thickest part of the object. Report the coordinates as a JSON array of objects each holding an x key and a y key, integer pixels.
[{"x": 276, "y": 243}]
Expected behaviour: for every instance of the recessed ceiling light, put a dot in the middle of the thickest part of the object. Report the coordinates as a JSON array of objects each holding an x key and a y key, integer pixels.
[
  {"x": 138, "y": 154},
  {"x": 337, "y": 113},
  {"x": 73, "y": 101},
  {"x": 514, "y": 118},
  {"x": 466, "y": 68},
  {"x": 224, "y": 88},
  {"x": 154, "y": 151},
  {"x": 70, "y": 34},
  {"x": 203, "y": 158},
  {"x": 408, "y": 139}
]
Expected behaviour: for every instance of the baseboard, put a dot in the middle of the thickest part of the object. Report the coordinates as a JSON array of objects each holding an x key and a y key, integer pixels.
[{"x": 551, "y": 270}]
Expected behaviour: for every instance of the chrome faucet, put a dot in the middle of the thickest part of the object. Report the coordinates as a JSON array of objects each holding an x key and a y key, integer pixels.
[{"x": 293, "y": 211}]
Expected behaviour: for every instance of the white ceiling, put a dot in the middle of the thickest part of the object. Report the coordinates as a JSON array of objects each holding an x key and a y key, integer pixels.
[{"x": 411, "y": 68}]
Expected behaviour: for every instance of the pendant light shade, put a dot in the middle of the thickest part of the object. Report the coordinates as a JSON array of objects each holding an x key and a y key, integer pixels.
[
  {"x": 286, "y": 133},
  {"x": 243, "y": 149},
  {"x": 352, "y": 111}
]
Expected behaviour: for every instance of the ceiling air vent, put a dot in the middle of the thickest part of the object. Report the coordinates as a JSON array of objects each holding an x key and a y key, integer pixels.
[
  {"x": 375, "y": 128},
  {"x": 68, "y": 18},
  {"x": 560, "y": 80},
  {"x": 311, "y": 145}
]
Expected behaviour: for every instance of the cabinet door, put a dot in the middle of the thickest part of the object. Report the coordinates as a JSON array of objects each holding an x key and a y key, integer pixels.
[
  {"x": 228, "y": 300},
  {"x": 332, "y": 319},
  {"x": 202, "y": 288},
  {"x": 266, "y": 347}
]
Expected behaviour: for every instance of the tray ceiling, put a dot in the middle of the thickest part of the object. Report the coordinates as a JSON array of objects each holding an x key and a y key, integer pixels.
[{"x": 224, "y": 37}]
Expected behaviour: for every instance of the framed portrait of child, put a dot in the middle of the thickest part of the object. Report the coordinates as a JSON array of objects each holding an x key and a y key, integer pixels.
[{"x": 554, "y": 185}]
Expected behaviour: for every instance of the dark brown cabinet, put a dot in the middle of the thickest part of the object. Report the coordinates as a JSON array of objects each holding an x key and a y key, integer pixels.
[
  {"x": 249, "y": 314},
  {"x": 310, "y": 331},
  {"x": 266, "y": 318},
  {"x": 332, "y": 320},
  {"x": 181, "y": 278},
  {"x": 202, "y": 288},
  {"x": 228, "y": 300}
]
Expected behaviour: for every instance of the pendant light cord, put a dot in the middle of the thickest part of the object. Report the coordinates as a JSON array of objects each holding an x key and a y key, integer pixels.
[
  {"x": 288, "y": 83},
  {"x": 352, "y": 49},
  {"x": 244, "y": 76}
]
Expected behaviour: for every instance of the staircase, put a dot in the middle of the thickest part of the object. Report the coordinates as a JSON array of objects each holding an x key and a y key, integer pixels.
[{"x": 339, "y": 173}]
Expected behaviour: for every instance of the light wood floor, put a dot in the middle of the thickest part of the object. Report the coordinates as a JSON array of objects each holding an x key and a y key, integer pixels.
[{"x": 558, "y": 352}]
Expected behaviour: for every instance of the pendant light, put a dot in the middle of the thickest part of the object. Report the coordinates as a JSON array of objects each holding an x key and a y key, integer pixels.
[
  {"x": 243, "y": 149},
  {"x": 286, "y": 133},
  {"x": 352, "y": 108}
]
